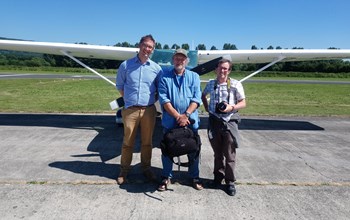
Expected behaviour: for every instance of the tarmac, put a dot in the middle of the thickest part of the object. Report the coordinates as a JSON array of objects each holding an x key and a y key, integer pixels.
[{"x": 56, "y": 166}]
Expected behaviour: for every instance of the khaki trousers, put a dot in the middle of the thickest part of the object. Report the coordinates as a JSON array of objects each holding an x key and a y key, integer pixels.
[{"x": 133, "y": 118}]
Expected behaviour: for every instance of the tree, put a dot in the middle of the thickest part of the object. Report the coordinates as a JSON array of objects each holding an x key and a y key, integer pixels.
[
  {"x": 3, "y": 60},
  {"x": 185, "y": 46},
  {"x": 36, "y": 62},
  {"x": 166, "y": 47},
  {"x": 175, "y": 46},
  {"x": 228, "y": 46},
  {"x": 50, "y": 59},
  {"x": 254, "y": 47},
  {"x": 213, "y": 48},
  {"x": 270, "y": 47},
  {"x": 201, "y": 47},
  {"x": 158, "y": 46},
  {"x": 126, "y": 44}
]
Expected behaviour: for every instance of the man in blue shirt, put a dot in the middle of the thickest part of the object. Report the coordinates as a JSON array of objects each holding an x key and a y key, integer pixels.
[
  {"x": 137, "y": 81},
  {"x": 180, "y": 96}
]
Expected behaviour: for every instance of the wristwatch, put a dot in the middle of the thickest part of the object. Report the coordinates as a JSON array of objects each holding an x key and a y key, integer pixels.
[{"x": 187, "y": 114}]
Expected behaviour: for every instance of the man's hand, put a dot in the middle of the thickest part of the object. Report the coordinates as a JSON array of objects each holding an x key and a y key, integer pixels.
[
  {"x": 229, "y": 108},
  {"x": 182, "y": 120}
]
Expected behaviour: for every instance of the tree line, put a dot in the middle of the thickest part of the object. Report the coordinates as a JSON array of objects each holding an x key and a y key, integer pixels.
[{"x": 14, "y": 58}]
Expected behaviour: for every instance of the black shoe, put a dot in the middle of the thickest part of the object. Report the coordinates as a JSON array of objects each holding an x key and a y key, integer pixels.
[
  {"x": 215, "y": 184},
  {"x": 231, "y": 190}
]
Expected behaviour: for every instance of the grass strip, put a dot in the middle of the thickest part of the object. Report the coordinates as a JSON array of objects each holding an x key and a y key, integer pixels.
[{"x": 94, "y": 95}]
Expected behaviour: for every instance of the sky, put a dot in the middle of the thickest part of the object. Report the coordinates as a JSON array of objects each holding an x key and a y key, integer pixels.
[{"x": 310, "y": 24}]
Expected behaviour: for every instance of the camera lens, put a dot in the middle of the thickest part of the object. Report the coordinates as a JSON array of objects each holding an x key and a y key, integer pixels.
[{"x": 222, "y": 106}]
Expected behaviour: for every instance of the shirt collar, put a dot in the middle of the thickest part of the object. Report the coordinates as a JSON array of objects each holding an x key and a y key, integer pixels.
[
  {"x": 137, "y": 60},
  {"x": 174, "y": 72}
]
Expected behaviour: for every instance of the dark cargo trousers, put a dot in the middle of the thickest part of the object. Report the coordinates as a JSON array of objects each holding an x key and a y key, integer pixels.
[{"x": 224, "y": 145}]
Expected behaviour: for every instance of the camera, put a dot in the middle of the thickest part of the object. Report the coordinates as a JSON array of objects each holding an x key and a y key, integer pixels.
[{"x": 219, "y": 107}]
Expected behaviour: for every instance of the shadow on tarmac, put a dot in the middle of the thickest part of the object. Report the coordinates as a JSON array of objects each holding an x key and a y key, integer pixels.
[
  {"x": 107, "y": 122},
  {"x": 107, "y": 143}
]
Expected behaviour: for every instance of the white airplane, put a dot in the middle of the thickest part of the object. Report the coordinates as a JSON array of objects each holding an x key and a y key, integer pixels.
[{"x": 201, "y": 61}]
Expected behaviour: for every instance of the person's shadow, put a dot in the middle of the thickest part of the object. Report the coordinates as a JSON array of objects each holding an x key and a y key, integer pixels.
[{"x": 106, "y": 144}]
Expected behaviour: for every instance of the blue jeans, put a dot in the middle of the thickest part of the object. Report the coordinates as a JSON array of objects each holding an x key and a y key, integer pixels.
[{"x": 193, "y": 169}]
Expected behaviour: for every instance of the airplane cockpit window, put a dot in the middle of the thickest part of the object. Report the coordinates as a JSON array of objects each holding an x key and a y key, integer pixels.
[{"x": 164, "y": 57}]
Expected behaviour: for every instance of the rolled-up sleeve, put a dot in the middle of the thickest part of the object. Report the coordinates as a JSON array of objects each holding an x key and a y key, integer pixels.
[
  {"x": 197, "y": 94},
  {"x": 163, "y": 91}
]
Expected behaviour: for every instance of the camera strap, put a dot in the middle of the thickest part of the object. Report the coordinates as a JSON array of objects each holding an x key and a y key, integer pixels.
[{"x": 217, "y": 90}]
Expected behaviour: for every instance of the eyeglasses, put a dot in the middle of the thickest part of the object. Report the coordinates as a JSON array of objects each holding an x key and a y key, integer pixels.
[
  {"x": 148, "y": 46},
  {"x": 223, "y": 68}
]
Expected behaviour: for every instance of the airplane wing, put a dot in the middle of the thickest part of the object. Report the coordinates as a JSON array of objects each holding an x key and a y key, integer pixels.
[
  {"x": 200, "y": 56},
  {"x": 267, "y": 56},
  {"x": 201, "y": 61},
  {"x": 76, "y": 50}
]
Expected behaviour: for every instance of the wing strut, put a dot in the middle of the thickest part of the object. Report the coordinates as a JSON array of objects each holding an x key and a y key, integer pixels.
[
  {"x": 263, "y": 68},
  {"x": 87, "y": 67}
]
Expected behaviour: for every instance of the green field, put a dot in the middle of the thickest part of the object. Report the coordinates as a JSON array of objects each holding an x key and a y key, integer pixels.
[{"x": 93, "y": 96}]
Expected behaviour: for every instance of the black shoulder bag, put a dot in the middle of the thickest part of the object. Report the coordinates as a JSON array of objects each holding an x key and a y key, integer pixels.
[{"x": 180, "y": 141}]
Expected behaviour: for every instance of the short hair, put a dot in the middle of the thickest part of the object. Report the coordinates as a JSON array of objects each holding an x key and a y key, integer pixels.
[
  {"x": 148, "y": 36},
  {"x": 224, "y": 60}
]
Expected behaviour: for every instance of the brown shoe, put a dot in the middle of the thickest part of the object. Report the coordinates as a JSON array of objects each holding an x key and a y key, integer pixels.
[
  {"x": 164, "y": 184},
  {"x": 121, "y": 178},
  {"x": 150, "y": 175}
]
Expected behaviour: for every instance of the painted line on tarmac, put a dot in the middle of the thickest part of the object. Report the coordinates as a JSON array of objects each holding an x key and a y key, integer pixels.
[
  {"x": 294, "y": 183},
  {"x": 113, "y": 182}
]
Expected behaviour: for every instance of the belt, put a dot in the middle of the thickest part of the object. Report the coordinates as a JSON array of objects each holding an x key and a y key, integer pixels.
[{"x": 141, "y": 106}]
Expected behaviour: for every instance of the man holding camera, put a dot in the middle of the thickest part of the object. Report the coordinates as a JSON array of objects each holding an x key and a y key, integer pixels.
[{"x": 226, "y": 98}]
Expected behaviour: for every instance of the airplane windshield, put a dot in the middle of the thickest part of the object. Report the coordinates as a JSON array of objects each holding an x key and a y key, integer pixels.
[{"x": 164, "y": 57}]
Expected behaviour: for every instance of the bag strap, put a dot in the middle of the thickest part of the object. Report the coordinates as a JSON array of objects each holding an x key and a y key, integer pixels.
[
  {"x": 179, "y": 164},
  {"x": 185, "y": 164}
]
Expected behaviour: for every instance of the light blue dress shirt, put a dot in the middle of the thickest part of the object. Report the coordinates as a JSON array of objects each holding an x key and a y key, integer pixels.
[{"x": 138, "y": 81}]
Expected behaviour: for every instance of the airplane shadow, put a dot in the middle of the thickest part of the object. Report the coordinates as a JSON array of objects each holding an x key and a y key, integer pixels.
[
  {"x": 107, "y": 143},
  {"x": 270, "y": 124}
]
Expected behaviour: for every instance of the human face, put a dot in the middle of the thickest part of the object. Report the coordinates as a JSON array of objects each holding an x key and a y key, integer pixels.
[
  {"x": 179, "y": 63},
  {"x": 222, "y": 72},
  {"x": 146, "y": 48}
]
